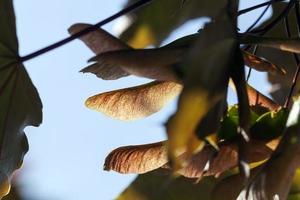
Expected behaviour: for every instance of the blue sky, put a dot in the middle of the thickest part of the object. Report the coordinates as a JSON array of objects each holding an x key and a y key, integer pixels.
[{"x": 67, "y": 151}]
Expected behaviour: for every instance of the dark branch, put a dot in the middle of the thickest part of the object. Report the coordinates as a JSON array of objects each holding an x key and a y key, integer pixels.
[
  {"x": 268, "y": 27},
  {"x": 85, "y": 31},
  {"x": 268, "y": 3},
  {"x": 296, "y": 75}
]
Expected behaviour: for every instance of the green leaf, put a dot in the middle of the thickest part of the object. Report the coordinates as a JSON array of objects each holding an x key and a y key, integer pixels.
[
  {"x": 270, "y": 125},
  {"x": 230, "y": 122},
  {"x": 20, "y": 105},
  {"x": 159, "y": 186},
  {"x": 147, "y": 28},
  {"x": 276, "y": 177}
]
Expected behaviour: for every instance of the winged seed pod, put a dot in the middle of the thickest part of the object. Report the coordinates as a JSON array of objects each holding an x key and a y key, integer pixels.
[
  {"x": 144, "y": 158},
  {"x": 141, "y": 159}
]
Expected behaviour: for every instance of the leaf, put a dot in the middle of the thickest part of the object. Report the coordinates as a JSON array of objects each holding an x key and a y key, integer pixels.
[
  {"x": 211, "y": 122},
  {"x": 186, "y": 41},
  {"x": 231, "y": 186},
  {"x": 14, "y": 194},
  {"x": 137, "y": 159},
  {"x": 149, "y": 63},
  {"x": 230, "y": 122},
  {"x": 261, "y": 64},
  {"x": 291, "y": 45},
  {"x": 135, "y": 102},
  {"x": 146, "y": 29},
  {"x": 100, "y": 41},
  {"x": 206, "y": 76},
  {"x": 226, "y": 185},
  {"x": 158, "y": 185},
  {"x": 281, "y": 166},
  {"x": 270, "y": 125},
  {"x": 20, "y": 105}
]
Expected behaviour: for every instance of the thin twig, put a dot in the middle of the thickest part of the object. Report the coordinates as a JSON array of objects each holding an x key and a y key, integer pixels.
[
  {"x": 296, "y": 75},
  {"x": 268, "y": 3},
  {"x": 250, "y": 69},
  {"x": 276, "y": 20},
  {"x": 85, "y": 31},
  {"x": 258, "y": 19},
  {"x": 249, "y": 29},
  {"x": 273, "y": 23},
  {"x": 256, "y": 46}
]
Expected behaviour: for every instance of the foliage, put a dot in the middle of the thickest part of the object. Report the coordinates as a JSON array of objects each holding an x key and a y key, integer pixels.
[{"x": 242, "y": 150}]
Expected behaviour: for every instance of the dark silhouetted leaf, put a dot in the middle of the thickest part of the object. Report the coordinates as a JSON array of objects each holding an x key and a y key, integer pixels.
[
  {"x": 20, "y": 105},
  {"x": 158, "y": 185},
  {"x": 270, "y": 125}
]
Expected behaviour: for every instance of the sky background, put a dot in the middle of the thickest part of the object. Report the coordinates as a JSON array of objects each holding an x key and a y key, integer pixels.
[{"x": 67, "y": 151}]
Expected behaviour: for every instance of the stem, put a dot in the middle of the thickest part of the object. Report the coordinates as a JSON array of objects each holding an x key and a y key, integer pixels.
[
  {"x": 268, "y": 27},
  {"x": 249, "y": 29},
  {"x": 250, "y": 69},
  {"x": 130, "y": 8},
  {"x": 268, "y": 3},
  {"x": 296, "y": 75},
  {"x": 276, "y": 20},
  {"x": 258, "y": 19}
]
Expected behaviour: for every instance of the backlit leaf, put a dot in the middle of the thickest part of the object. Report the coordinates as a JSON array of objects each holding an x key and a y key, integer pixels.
[
  {"x": 146, "y": 28},
  {"x": 135, "y": 102},
  {"x": 206, "y": 75}
]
